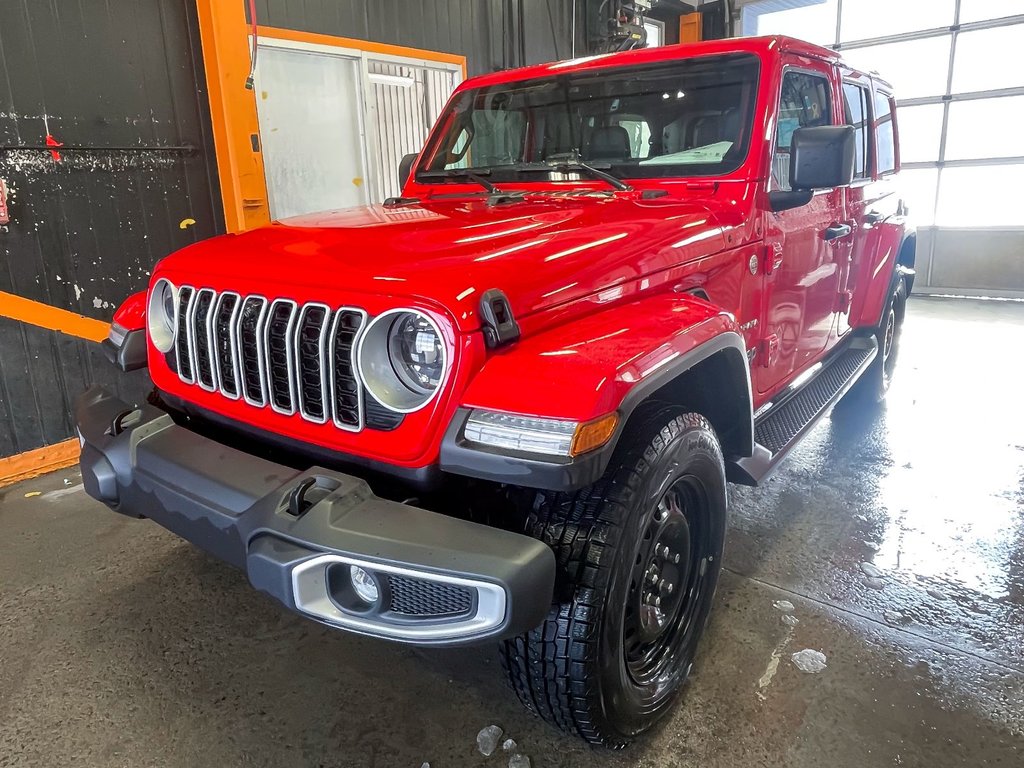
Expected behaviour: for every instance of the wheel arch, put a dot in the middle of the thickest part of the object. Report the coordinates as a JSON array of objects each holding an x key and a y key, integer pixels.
[
  {"x": 714, "y": 381},
  {"x": 712, "y": 378}
]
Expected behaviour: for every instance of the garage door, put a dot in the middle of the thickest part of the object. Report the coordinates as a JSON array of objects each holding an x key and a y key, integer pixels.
[{"x": 961, "y": 105}]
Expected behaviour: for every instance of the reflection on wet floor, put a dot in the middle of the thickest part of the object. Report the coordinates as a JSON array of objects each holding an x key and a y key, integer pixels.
[{"x": 929, "y": 490}]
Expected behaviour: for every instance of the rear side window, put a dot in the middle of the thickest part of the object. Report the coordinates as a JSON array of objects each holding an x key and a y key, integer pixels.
[
  {"x": 855, "y": 104},
  {"x": 885, "y": 135},
  {"x": 804, "y": 102}
]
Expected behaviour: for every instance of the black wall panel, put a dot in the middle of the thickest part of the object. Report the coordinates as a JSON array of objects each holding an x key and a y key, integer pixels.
[
  {"x": 86, "y": 231},
  {"x": 486, "y": 32}
]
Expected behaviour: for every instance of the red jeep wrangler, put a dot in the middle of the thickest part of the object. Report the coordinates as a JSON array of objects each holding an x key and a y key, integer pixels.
[{"x": 505, "y": 405}]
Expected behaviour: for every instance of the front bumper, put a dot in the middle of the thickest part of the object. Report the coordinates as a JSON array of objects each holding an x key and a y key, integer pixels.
[{"x": 441, "y": 580}]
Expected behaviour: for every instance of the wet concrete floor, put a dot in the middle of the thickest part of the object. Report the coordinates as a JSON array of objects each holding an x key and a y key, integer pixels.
[{"x": 122, "y": 646}]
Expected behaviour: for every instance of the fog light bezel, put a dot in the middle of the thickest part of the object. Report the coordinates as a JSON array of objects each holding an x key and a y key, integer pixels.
[{"x": 311, "y": 596}]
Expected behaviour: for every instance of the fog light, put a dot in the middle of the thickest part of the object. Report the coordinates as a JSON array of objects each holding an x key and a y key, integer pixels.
[{"x": 364, "y": 585}]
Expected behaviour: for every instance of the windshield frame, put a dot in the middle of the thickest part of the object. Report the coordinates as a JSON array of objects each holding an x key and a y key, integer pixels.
[{"x": 625, "y": 171}]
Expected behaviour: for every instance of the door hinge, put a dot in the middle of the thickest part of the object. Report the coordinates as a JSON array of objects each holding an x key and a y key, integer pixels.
[
  {"x": 772, "y": 258},
  {"x": 843, "y": 301}
]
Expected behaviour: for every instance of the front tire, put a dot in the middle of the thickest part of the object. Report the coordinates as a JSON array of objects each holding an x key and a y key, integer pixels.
[{"x": 639, "y": 554}]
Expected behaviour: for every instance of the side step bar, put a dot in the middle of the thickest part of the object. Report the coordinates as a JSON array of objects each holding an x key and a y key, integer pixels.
[{"x": 797, "y": 410}]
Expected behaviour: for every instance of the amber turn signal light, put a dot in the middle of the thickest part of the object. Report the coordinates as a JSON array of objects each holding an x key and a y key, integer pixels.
[{"x": 591, "y": 435}]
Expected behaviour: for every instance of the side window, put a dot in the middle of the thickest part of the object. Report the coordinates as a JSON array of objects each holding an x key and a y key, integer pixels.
[
  {"x": 885, "y": 135},
  {"x": 855, "y": 104},
  {"x": 804, "y": 102}
]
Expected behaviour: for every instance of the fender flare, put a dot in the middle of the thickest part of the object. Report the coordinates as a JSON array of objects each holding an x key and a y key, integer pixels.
[{"x": 458, "y": 457}]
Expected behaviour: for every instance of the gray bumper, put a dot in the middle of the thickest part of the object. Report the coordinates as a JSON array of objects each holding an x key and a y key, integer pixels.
[{"x": 441, "y": 580}]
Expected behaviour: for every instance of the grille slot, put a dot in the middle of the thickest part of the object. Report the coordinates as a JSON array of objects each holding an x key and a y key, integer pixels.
[
  {"x": 348, "y": 390},
  {"x": 225, "y": 342},
  {"x": 185, "y": 297},
  {"x": 202, "y": 334},
  {"x": 281, "y": 356},
  {"x": 250, "y": 349},
  {"x": 294, "y": 358},
  {"x": 311, "y": 358},
  {"x": 416, "y": 597}
]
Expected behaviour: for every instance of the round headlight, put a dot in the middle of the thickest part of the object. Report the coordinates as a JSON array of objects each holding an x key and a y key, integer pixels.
[
  {"x": 161, "y": 314},
  {"x": 402, "y": 359}
]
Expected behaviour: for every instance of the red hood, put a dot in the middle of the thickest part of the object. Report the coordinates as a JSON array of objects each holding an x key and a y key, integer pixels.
[{"x": 541, "y": 253}]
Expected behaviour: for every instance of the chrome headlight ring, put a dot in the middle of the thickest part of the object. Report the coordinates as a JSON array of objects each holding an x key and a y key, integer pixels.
[
  {"x": 402, "y": 359},
  {"x": 162, "y": 314}
]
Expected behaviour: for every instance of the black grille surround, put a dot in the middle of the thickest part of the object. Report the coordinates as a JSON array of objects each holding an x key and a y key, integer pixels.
[
  {"x": 293, "y": 358},
  {"x": 417, "y": 597}
]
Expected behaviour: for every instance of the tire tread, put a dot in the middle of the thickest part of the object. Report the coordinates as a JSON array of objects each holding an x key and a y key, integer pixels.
[{"x": 550, "y": 668}]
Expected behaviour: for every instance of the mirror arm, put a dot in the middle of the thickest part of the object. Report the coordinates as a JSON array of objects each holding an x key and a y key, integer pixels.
[{"x": 784, "y": 199}]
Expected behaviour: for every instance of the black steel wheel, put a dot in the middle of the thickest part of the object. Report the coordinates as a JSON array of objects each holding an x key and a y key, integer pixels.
[
  {"x": 667, "y": 583},
  {"x": 639, "y": 555}
]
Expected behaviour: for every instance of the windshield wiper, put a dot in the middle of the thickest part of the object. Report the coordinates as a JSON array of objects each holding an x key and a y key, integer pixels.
[
  {"x": 461, "y": 173},
  {"x": 570, "y": 166}
]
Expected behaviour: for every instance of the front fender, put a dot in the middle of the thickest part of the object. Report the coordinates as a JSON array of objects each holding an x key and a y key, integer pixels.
[
  {"x": 131, "y": 315},
  {"x": 125, "y": 347},
  {"x": 612, "y": 360}
]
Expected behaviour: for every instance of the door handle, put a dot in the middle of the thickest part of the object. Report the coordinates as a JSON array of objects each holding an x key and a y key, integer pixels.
[
  {"x": 873, "y": 217},
  {"x": 836, "y": 231}
]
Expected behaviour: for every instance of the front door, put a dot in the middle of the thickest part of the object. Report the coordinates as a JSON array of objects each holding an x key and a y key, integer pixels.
[{"x": 807, "y": 245}]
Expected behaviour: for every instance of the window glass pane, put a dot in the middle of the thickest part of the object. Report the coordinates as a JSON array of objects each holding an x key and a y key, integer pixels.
[
  {"x": 857, "y": 114},
  {"x": 885, "y": 144},
  {"x": 981, "y": 10},
  {"x": 804, "y": 102},
  {"x": 985, "y": 59},
  {"x": 655, "y": 33},
  {"x": 920, "y": 130},
  {"x": 917, "y": 188},
  {"x": 698, "y": 111},
  {"x": 915, "y": 67},
  {"x": 981, "y": 196},
  {"x": 863, "y": 19},
  {"x": 984, "y": 128},
  {"x": 811, "y": 20}
]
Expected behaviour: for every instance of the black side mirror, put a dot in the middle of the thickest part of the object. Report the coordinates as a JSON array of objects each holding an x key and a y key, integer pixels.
[
  {"x": 405, "y": 168},
  {"x": 822, "y": 157}
]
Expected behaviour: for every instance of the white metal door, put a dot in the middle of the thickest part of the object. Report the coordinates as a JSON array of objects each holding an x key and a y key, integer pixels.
[
  {"x": 405, "y": 98},
  {"x": 309, "y": 108}
]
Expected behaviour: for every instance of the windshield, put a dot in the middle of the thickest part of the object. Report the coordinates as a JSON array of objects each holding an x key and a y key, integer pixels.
[{"x": 689, "y": 117}]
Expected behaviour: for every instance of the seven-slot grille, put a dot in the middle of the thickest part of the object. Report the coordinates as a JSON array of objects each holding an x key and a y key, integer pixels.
[{"x": 293, "y": 358}]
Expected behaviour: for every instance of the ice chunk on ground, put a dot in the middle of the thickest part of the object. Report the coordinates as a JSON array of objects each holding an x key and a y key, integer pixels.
[
  {"x": 871, "y": 570},
  {"x": 509, "y": 745},
  {"x": 783, "y": 605},
  {"x": 936, "y": 594},
  {"x": 487, "y": 740},
  {"x": 809, "y": 660},
  {"x": 874, "y": 583},
  {"x": 790, "y": 620},
  {"x": 519, "y": 761}
]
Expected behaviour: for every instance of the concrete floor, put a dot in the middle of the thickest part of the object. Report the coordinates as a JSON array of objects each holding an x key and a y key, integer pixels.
[{"x": 123, "y": 646}]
